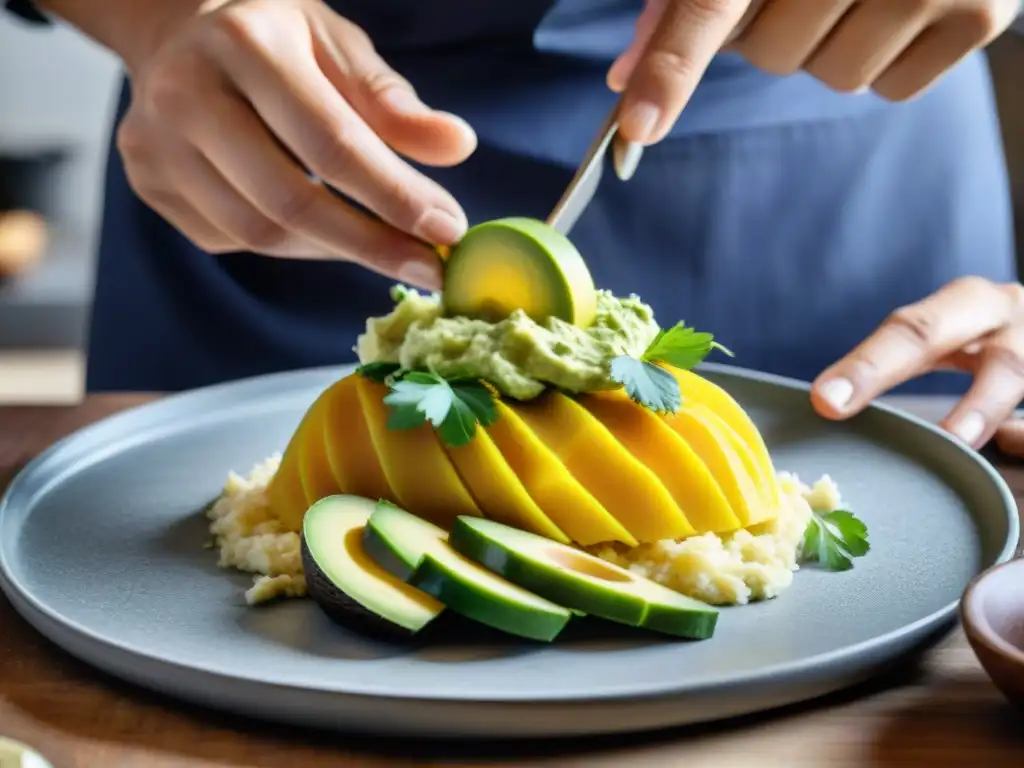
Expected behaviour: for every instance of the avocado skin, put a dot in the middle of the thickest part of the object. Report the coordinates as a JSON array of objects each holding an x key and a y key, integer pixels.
[{"x": 343, "y": 609}]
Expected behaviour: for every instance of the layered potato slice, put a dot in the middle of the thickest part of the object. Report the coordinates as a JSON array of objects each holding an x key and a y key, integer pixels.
[
  {"x": 668, "y": 456},
  {"x": 585, "y": 470},
  {"x": 498, "y": 489},
  {"x": 354, "y": 462},
  {"x": 419, "y": 472},
  {"x": 630, "y": 491},
  {"x": 697, "y": 389},
  {"x": 570, "y": 505}
]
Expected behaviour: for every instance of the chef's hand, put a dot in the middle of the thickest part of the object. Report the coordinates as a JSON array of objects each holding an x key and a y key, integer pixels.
[
  {"x": 896, "y": 47},
  {"x": 235, "y": 106},
  {"x": 970, "y": 325}
]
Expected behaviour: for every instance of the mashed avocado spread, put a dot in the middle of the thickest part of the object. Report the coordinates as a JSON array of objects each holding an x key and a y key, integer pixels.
[{"x": 519, "y": 356}]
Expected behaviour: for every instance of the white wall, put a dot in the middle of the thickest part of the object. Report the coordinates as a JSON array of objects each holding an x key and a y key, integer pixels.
[{"x": 57, "y": 85}]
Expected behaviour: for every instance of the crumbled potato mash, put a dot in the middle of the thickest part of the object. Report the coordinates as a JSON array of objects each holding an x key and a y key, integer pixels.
[{"x": 731, "y": 569}]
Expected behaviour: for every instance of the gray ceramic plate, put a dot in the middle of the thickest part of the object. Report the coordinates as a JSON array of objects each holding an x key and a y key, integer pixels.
[{"x": 101, "y": 548}]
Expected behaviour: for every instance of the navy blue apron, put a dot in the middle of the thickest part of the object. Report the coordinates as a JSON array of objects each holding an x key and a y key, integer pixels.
[{"x": 786, "y": 219}]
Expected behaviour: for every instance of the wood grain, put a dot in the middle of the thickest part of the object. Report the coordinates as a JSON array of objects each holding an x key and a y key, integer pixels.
[{"x": 938, "y": 710}]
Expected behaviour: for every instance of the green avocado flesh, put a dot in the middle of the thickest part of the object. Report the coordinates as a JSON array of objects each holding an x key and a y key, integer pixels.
[
  {"x": 348, "y": 584},
  {"x": 462, "y": 585},
  {"x": 578, "y": 580},
  {"x": 398, "y": 539},
  {"x": 518, "y": 263}
]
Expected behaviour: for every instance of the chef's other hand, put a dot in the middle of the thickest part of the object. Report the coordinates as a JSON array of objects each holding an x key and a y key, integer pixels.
[
  {"x": 896, "y": 47},
  {"x": 970, "y": 325},
  {"x": 237, "y": 107}
]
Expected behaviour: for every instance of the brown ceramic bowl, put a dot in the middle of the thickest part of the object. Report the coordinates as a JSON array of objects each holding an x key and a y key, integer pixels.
[{"x": 992, "y": 611}]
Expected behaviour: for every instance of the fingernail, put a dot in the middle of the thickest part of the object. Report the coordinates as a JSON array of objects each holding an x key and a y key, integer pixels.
[
  {"x": 837, "y": 392},
  {"x": 640, "y": 120},
  {"x": 402, "y": 100},
  {"x": 627, "y": 158},
  {"x": 439, "y": 227},
  {"x": 970, "y": 427},
  {"x": 420, "y": 274}
]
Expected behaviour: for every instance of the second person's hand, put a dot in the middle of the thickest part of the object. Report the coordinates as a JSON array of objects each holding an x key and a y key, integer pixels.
[
  {"x": 239, "y": 104},
  {"x": 970, "y": 325}
]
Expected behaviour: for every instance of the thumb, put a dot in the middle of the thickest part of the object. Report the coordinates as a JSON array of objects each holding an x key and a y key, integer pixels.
[{"x": 387, "y": 101}]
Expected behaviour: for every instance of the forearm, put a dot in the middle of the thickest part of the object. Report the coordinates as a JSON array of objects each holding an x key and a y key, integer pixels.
[{"x": 132, "y": 29}]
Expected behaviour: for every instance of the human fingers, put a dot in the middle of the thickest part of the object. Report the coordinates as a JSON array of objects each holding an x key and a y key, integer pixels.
[
  {"x": 1010, "y": 437},
  {"x": 911, "y": 341},
  {"x": 688, "y": 35},
  {"x": 386, "y": 100},
  {"x": 279, "y": 75},
  {"x": 293, "y": 206},
  {"x": 997, "y": 389},
  {"x": 786, "y": 33},
  {"x": 867, "y": 40},
  {"x": 942, "y": 45}
]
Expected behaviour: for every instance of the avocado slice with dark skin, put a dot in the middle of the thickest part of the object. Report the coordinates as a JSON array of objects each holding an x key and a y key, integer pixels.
[
  {"x": 459, "y": 583},
  {"x": 576, "y": 579},
  {"x": 518, "y": 263},
  {"x": 348, "y": 584}
]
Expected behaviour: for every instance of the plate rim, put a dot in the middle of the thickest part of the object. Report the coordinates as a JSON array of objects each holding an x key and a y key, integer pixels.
[{"x": 779, "y": 672}]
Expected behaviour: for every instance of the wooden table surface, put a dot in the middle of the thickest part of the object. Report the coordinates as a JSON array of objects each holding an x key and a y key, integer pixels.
[{"x": 942, "y": 711}]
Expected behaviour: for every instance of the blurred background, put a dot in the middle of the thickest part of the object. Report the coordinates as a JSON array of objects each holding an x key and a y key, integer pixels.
[{"x": 56, "y": 97}]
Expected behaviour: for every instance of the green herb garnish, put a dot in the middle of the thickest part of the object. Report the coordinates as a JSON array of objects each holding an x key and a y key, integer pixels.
[
  {"x": 682, "y": 347},
  {"x": 379, "y": 372},
  {"x": 833, "y": 539},
  {"x": 647, "y": 382},
  {"x": 454, "y": 408}
]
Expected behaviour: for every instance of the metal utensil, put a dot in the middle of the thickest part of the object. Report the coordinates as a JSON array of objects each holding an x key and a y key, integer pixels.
[{"x": 581, "y": 189}]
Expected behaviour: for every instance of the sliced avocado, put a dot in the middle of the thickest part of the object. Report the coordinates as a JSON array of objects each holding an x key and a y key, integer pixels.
[
  {"x": 518, "y": 263},
  {"x": 464, "y": 586},
  {"x": 349, "y": 585},
  {"x": 397, "y": 539},
  {"x": 576, "y": 579}
]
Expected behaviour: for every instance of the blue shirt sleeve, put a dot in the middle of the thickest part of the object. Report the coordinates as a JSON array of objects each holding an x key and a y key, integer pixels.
[{"x": 26, "y": 10}]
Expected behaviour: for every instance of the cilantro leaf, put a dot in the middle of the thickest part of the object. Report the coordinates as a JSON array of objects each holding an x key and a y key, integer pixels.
[
  {"x": 647, "y": 384},
  {"x": 478, "y": 399},
  {"x": 379, "y": 372},
  {"x": 834, "y": 538},
  {"x": 681, "y": 347},
  {"x": 452, "y": 408}
]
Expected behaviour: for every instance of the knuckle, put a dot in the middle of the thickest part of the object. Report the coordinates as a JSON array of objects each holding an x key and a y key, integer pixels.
[
  {"x": 291, "y": 208},
  {"x": 378, "y": 81},
  {"x": 405, "y": 206},
  {"x": 980, "y": 23},
  {"x": 917, "y": 322},
  {"x": 237, "y": 25},
  {"x": 1007, "y": 357},
  {"x": 170, "y": 95},
  {"x": 670, "y": 65},
  {"x": 130, "y": 139},
  {"x": 917, "y": 8},
  {"x": 259, "y": 233},
  {"x": 972, "y": 283},
  {"x": 703, "y": 10},
  {"x": 329, "y": 154},
  {"x": 1015, "y": 293}
]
